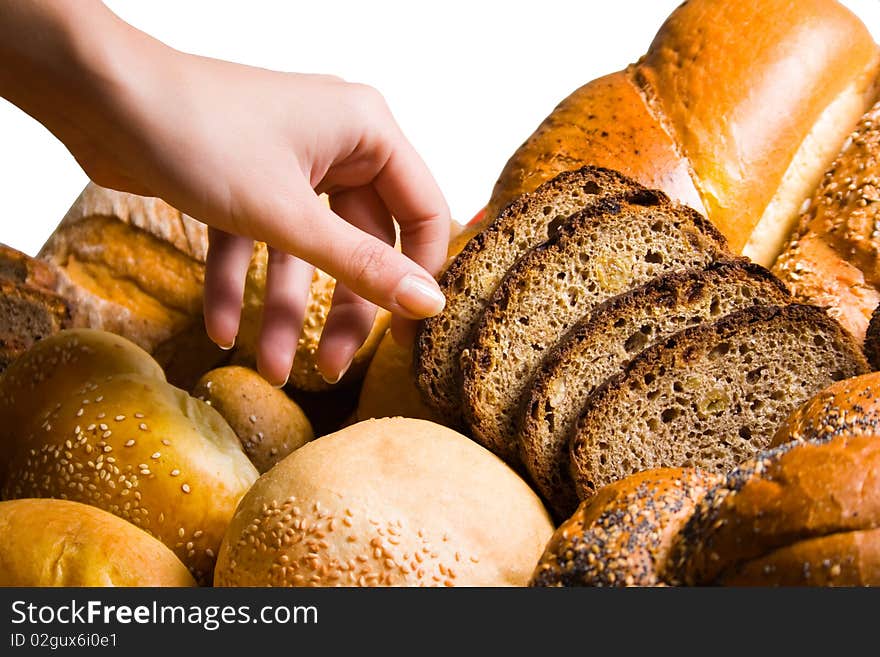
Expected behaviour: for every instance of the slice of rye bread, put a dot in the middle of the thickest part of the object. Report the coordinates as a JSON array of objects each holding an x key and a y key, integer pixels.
[
  {"x": 29, "y": 307},
  {"x": 472, "y": 277},
  {"x": 601, "y": 345},
  {"x": 710, "y": 396},
  {"x": 608, "y": 248}
]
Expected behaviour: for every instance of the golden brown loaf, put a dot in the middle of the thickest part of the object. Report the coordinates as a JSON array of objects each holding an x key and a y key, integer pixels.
[
  {"x": 126, "y": 442},
  {"x": 622, "y": 535},
  {"x": 802, "y": 513},
  {"x": 386, "y": 502},
  {"x": 60, "y": 543},
  {"x": 388, "y": 389},
  {"x": 833, "y": 258},
  {"x": 268, "y": 423},
  {"x": 739, "y": 122}
]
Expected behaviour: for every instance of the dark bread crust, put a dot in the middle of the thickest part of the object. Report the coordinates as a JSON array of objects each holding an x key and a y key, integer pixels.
[
  {"x": 504, "y": 341},
  {"x": 621, "y": 536},
  {"x": 792, "y": 493},
  {"x": 612, "y": 405},
  {"x": 600, "y": 346},
  {"x": 474, "y": 274}
]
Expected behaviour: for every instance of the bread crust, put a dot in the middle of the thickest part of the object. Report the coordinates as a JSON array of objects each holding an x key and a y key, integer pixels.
[
  {"x": 845, "y": 408},
  {"x": 725, "y": 103},
  {"x": 783, "y": 497},
  {"x": 833, "y": 257},
  {"x": 622, "y": 536}
]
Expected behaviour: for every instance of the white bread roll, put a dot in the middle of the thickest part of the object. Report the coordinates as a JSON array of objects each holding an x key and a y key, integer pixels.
[
  {"x": 61, "y": 543},
  {"x": 394, "y": 502}
]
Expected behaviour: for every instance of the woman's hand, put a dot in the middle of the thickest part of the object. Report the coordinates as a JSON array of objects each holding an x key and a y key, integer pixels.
[{"x": 247, "y": 151}]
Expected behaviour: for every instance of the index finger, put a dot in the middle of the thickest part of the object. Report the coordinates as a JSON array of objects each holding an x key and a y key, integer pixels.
[{"x": 413, "y": 197}]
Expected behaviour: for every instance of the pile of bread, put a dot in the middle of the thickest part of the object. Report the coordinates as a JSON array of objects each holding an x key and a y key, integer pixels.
[{"x": 656, "y": 330}]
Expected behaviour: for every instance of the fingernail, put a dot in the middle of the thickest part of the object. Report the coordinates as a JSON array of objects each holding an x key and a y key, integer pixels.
[
  {"x": 226, "y": 347},
  {"x": 339, "y": 376},
  {"x": 279, "y": 386},
  {"x": 419, "y": 296}
]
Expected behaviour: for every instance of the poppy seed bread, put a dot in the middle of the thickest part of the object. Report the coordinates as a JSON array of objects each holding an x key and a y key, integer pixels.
[
  {"x": 710, "y": 396},
  {"x": 794, "y": 502},
  {"x": 622, "y": 536},
  {"x": 608, "y": 248},
  {"x": 601, "y": 345},
  {"x": 471, "y": 279}
]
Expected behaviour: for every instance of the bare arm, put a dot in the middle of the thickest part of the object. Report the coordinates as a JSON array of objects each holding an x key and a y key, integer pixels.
[{"x": 245, "y": 150}]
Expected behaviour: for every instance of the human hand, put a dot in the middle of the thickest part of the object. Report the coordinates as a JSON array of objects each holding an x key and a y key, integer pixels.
[{"x": 247, "y": 151}]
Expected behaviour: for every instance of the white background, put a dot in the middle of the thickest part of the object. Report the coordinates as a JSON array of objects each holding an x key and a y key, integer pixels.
[{"x": 467, "y": 81}]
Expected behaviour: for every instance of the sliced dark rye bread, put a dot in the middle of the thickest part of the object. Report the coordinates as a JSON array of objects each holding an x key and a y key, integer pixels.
[
  {"x": 601, "y": 345},
  {"x": 710, "y": 396},
  {"x": 606, "y": 249},
  {"x": 472, "y": 277},
  {"x": 29, "y": 308}
]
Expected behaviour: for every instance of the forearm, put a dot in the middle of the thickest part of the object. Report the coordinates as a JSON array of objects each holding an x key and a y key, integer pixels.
[{"x": 70, "y": 65}]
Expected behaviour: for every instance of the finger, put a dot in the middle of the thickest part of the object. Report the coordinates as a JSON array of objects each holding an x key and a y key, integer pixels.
[
  {"x": 288, "y": 281},
  {"x": 370, "y": 267},
  {"x": 348, "y": 324},
  {"x": 404, "y": 331},
  {"x": 411, "y": 194},
  {"x": 351, "y": 316},
  {"x": 225, "y": 271}
]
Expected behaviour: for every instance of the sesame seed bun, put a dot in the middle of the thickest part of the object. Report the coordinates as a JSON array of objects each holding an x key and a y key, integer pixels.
[
  {"x": 395, "y": 502},
  {"x": 140, "y": 448},
  {"x": 268, "y": 423},
  {"x": 59, "y": 365},
  {"x": 61, "y": 543}
]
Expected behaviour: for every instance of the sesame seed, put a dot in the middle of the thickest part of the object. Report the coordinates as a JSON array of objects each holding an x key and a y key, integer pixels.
[
  {"x": 155, "y": 455},
  {"x": 107, "y": 434},
  {"x": 166, "y": 442},
  {"x": 185, "y": 488},
  {"x": 79, "y": 413},
  {"x": 130, "y": 442},
  {"x": 99, "y": 398},
  {"x": 103, "y": 427},
  {"x": 119, "y": 418},
  {"x": 142, "y": 426},
  {"x": 138, "y": 415},
  {"x": 252, "y": 418},
  {"x": 175, "y": 472}
]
